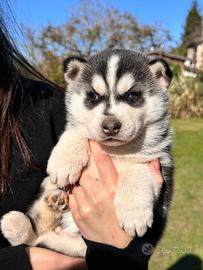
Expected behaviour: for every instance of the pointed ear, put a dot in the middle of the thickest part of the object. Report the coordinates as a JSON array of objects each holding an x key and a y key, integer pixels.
[
  {"x": 72, "y": 67},
  {"x": 161, "y": 71}
]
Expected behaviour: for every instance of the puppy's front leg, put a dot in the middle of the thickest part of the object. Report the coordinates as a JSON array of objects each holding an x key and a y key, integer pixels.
[
  {"x": 68, "y": 158},
  {"x": 135, "y": 200}
]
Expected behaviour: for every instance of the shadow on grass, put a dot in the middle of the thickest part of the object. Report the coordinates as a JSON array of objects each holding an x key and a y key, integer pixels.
[{"x": 189, "y": 262}]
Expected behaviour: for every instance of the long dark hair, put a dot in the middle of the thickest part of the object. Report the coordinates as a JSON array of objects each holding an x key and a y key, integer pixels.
[{"x": 13, "y": 68}]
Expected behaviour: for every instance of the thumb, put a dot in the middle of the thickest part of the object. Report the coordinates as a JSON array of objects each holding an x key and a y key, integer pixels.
[{"x": 155, "y": 169}]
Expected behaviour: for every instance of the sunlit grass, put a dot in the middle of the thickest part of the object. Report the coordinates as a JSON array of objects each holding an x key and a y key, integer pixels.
[{"x": 184, "y": 233}]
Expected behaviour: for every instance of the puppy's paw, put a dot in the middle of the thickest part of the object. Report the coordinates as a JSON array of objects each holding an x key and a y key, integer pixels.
[
  {"x": 136, "y": 220},
  {"x": 57, "y": 200},
  {"x": 66, "y": 169},
  {"x": 16, "y": 228}
]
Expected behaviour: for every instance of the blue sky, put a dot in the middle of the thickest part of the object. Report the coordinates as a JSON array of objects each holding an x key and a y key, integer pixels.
[{"x": 171, "y": 14}]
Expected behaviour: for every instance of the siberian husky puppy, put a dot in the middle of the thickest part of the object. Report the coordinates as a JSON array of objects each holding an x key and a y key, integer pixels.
[{"x": 118, "y": 98}]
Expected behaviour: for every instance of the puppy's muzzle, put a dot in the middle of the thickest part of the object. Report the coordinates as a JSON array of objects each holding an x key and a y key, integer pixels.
[{"x": 111, "y": 126}]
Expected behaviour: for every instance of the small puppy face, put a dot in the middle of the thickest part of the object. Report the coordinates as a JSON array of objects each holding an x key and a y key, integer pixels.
[{"x": 116, "y": 94}]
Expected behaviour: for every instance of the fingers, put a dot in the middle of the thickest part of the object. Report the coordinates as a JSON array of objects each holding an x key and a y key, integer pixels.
[
  {"x": 94, "y": 189},
  {"x": 79, "y": 203},
  {"x": 155, "y": 169},
  {"x": 106, "y": 170},
  {"x": 73, "y": 206},
  {"x": 86, "y": 180}
]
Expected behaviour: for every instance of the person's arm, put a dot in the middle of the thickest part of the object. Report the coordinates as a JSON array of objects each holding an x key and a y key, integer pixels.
[
  {"x": 92, "y": 206},
  {"x": 45, "y": 259},
  {"x": 36, "y": 258}
]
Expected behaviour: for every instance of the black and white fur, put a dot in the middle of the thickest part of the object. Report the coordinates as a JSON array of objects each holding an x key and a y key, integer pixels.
[{"x": 118, "y": 98}]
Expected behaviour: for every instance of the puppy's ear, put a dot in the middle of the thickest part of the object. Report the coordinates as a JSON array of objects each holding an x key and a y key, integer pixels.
[
  {"x": 161, "y": 72},
  {"x": 72, "y": 67}
]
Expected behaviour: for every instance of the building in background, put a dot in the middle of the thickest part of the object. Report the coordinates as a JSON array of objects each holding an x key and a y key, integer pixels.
[
  {"x": 191, "y": 64},
  {"x": 195, "y": 53}
]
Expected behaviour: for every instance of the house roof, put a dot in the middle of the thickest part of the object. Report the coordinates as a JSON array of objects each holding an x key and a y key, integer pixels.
[
  {"x": 174, "y": 57},
  {"x": 171, "y": 56}
]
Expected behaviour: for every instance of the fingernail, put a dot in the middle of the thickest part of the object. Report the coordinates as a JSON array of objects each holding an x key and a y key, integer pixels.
[{"x": 156, "y": 164}]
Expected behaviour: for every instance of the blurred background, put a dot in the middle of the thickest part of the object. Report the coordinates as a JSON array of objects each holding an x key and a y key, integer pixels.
[{"x": 50, "y": 30}]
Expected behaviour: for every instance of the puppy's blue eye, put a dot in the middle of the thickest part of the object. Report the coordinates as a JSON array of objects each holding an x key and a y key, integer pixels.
[
  {"x": 132, "y": 96},
  {"x": 93, "y": 96}
]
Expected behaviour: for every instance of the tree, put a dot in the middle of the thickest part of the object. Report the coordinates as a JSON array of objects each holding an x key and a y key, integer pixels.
[
  {"x": 91, "y": 28},
  {"x": 193, "y": 28}
]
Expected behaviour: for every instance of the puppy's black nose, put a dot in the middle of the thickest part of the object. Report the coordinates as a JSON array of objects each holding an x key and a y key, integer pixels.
[{"x": 111, "y": 126}]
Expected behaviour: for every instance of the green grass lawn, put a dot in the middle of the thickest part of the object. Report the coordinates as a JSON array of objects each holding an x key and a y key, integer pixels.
[{"x": 181, "y": 247}]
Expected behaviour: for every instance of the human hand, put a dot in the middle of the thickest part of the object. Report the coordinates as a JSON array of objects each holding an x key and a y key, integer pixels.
[
  {"x": 92, "y": 203},
  {"x": 45, "y": 259}
]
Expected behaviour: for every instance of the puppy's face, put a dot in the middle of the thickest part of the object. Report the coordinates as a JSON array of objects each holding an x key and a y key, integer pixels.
[{"x": 116, "y": 94}]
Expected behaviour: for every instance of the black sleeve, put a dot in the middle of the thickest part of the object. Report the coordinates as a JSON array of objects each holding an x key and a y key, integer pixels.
[
  {"x": 14, "y": 258},
  {"x": 101, "y": 256},
  {"x": 58, "y": 112}
]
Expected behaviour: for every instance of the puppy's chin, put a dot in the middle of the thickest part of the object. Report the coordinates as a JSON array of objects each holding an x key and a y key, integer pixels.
[{"x": 112, "y": 142}]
